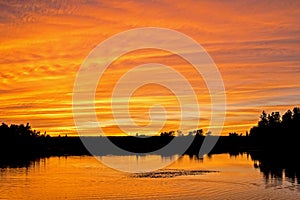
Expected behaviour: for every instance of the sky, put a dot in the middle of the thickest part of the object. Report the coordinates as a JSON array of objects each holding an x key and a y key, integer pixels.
[{"x": 254, "y": 44}]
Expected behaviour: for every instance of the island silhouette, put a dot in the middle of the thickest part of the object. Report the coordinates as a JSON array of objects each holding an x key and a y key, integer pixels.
[{"x": 273, "y": 144}]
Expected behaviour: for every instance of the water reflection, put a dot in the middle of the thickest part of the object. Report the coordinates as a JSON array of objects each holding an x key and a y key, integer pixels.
[
  {"x": 276, "y": 169},
  {"x": 17, "y": 162}
]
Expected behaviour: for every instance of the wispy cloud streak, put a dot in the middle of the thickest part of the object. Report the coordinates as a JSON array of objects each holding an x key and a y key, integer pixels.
[{"x": 255, "y": 44}]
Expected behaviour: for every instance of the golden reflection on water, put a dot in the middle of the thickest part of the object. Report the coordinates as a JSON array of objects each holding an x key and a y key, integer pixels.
[{"x": 84, "y": 177}]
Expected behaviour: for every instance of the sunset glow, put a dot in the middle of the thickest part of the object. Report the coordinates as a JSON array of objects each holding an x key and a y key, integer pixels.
[{"x": 255, "y": 45}]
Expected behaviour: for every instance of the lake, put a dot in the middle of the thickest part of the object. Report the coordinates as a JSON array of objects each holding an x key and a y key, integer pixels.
[{"x": 218, "y": 176}]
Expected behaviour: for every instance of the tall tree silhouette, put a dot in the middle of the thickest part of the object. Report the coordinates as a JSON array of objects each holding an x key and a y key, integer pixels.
[
  {"x": 274, "y": 130},
  {"x": 287, "y": 119}
]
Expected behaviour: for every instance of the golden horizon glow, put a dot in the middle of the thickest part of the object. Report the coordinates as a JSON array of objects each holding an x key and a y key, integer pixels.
[{"x": 255, "y": 45}]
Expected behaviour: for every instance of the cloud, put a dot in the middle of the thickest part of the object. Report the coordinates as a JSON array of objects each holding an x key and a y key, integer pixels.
[{"x": 255, "y": 44}]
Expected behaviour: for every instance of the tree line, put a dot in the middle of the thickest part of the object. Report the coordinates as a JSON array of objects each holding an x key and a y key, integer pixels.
[
  {"x": 275, "y": 125},
  {"x": 19, "y": 131},
  {"x": 271, "y": 132}
]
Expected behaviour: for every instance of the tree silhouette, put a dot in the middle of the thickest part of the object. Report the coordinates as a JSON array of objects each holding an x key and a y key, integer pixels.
[
  {"x": 20, "y": 139},
  {"x": 168, "y": 134},
  {"x": 287, "y": 119},
  {"x": 199, "y": 132},
  {"x": 274, "y": 130},
  {"x": 274, "y": 120},
  {"x": 263, "y": 120},
  {"x": 296, "y": 118}
]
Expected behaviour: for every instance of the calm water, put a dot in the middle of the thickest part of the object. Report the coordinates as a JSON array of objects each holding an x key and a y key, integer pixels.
[{"x": 75, "y": 177}]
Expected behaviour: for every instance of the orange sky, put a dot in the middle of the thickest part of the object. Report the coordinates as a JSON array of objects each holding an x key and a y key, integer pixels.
[{"x": 255, "y": 44}]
